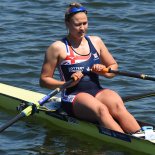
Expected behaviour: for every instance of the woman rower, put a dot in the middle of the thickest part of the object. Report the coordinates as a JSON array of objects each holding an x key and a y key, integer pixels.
[{"x": 83, "y": 58}]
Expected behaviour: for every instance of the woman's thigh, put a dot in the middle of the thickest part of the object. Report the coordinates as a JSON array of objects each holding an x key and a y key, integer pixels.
[
  {"x": 111, "y": 99},
  {"x": 86, "y": 107}
]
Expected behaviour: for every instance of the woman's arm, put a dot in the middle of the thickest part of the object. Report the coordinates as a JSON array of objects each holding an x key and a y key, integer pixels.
[
  {"x": 49, "y": 65},
  {"x": 107, "y": 60}
]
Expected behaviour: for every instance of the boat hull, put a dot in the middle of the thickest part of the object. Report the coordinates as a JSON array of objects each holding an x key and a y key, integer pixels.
[{"x": 11, "y": 97}]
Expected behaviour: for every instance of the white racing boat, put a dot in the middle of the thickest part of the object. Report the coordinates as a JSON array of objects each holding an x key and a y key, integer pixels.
[{"x": 12, "y": 97}]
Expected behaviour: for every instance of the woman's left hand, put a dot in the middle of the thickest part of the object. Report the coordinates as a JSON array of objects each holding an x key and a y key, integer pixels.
[{"x": 98, "y": 69}]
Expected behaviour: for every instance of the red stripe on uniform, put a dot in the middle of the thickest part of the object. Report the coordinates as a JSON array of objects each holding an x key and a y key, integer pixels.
[{"x": 72, "y": 57}]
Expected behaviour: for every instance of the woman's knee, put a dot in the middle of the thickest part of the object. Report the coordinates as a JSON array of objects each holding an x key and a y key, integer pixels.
[
  {"x": 102, "y": 111},
  {"x": 118, "y": 109}
]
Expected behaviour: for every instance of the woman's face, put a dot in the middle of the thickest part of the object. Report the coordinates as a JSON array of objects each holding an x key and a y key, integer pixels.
[{"x": 78, "y": 25}]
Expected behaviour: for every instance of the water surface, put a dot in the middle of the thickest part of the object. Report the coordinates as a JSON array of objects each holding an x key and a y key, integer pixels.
[{"x": 28, "y": 27}]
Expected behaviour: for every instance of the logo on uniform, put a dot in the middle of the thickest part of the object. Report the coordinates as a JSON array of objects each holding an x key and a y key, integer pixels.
[
  {"x": 95, "y": 56},
  {"x": 88, "y": 69},
  {"x": 75, "y": 69}
]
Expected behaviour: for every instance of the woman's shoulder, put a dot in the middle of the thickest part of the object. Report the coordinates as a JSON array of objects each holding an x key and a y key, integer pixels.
[
  {"x": 95, "y": 38},
  {"x": 56, "y": 46}
]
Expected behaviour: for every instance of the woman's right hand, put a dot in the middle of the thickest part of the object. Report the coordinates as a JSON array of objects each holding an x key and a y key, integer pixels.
[{"x": 77, "y": 77}]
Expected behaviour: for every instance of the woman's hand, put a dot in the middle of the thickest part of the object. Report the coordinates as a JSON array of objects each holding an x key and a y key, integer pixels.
[
  {"x": 103, "y": 70},
  {"x": 98, "y": 69},
  {"x": 77, "y": 77}
]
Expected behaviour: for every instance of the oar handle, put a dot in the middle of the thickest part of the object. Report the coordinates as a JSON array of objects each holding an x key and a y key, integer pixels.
[
  {"x": 129, "y": 74},
  {"x": 12, "y": 121}
]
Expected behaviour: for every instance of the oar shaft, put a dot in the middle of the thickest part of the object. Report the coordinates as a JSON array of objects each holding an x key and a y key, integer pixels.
[
  {"x": 137, "y": 96},
  {"x": 28, "y": 111},
  {"x": 131, "y": 74},
  {"x": 54, "y": 92},
  {"x": 48, "y": 96},
  {"x": 12, "y": 121}
]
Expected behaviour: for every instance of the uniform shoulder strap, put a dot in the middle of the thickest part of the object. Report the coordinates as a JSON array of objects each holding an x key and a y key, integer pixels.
[
  {"x": 66, "y": 43},
  {"x": 91, "y": 46}
]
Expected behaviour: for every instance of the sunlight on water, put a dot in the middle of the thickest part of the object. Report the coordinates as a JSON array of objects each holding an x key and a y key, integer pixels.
[{"x": 29, "y": 27}]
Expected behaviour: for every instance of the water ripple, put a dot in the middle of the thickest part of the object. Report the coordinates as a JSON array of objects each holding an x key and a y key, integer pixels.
[{"x": 28, "y": 27}]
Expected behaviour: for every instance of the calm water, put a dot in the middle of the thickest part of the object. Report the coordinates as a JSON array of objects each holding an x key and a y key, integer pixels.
[{"x": 28, "y": 27}]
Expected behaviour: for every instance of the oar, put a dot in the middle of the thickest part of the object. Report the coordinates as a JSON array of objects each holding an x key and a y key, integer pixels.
[
  {"x": 138, "y": 96},
  {"x": 130, "y": 74},
  {"x": 135, "y": 75},
  {"x": 28, "y": 111}
]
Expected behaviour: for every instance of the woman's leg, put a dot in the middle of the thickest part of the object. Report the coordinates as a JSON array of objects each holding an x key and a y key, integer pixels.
[
  {"x": 118, "y": 111},
  {"x": 89, "y": 108}
]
